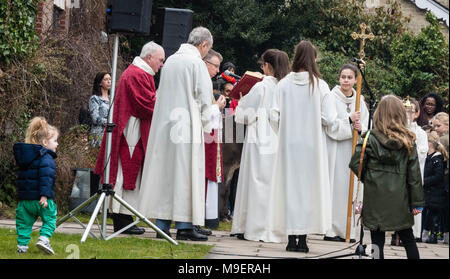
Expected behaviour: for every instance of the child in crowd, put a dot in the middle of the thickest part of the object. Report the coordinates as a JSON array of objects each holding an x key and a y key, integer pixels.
[
  {"x": 440, "y": 125},
  {"x": 391, "y": 175},
  {"x": 434, "y": 188},
  {"x": 36, "y": 178}
]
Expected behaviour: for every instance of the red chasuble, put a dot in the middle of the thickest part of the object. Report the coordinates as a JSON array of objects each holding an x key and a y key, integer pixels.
[{"x": 135, "y": 96}]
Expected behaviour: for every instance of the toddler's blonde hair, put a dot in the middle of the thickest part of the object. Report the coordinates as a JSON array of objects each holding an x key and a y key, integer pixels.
[{"x": 39, "y": 130}]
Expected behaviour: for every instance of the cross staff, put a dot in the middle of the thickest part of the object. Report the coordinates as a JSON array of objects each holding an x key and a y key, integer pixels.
[{"x": 362, "y": 37}]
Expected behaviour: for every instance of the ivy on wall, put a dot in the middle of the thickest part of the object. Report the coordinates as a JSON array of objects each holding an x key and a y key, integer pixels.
[{"x": 18, "y": 37}]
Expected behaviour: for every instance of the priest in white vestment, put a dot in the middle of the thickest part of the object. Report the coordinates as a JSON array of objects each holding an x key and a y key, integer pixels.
[
  {"x": 259, "y": 149},
  {"x": 173, "y": 179}
]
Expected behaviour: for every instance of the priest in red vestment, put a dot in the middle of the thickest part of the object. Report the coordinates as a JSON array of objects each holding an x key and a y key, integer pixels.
[{"x": 133, "y": 110}]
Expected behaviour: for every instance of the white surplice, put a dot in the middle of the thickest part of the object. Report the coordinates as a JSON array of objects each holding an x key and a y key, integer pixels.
[
  {"x": 422, "y": 152},
  {"x": 173, "y": 177},
  {"x": 256, "y": 166},
  {"x": 300, "y": 201},
  {"x": 339, "y": 144}
]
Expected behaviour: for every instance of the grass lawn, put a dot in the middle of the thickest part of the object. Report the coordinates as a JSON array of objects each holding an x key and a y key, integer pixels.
[{"x": 69, "y": 246}]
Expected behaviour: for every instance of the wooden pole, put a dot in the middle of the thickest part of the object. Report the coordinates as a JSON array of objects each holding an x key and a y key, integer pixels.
[{"x": 362, "y": 37}]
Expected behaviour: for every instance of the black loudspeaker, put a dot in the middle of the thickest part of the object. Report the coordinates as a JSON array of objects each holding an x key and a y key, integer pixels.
[
  {"x": 131, "y": 16},
  {"x": 172, "y": 28}
]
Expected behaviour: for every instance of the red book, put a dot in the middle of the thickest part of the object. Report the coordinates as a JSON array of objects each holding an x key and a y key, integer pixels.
[{"x": 245, "y": 84}]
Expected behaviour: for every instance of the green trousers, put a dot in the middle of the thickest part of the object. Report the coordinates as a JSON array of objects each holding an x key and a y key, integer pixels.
[{"x": 27, "y": 213}]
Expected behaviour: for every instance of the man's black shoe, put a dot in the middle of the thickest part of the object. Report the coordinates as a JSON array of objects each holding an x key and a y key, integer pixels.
[
  {"x": 166, "y": 232},
  {"x": 134, "y": 230},
  {"x": 190, "y": 234},
  {"x": 202, "y": 231},
  {"x": 336, "y": 238}
]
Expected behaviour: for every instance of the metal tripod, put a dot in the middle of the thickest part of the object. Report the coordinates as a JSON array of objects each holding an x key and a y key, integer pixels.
[{"x": 106, "y": 189}]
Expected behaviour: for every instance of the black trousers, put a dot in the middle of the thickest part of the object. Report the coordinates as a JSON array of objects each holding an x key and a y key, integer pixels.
[{"x": 407, "y": 238}]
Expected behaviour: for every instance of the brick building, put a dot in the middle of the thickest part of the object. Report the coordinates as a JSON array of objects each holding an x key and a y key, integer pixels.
[{"x": 53, "y": 16}]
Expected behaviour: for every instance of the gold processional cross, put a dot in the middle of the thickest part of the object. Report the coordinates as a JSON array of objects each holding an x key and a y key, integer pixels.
[{"x": 362, "y": 37}]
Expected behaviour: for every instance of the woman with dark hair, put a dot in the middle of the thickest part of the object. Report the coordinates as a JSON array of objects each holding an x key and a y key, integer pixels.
[
  {"x": 259, "y": 149},
  {"x": 430, "y": 105},
  {"x": 300, "y": 200},
  {"x": 99, "y": 106}
]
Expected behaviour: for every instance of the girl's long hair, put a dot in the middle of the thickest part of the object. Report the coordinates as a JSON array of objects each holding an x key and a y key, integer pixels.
[
  {"x": 39, "y": 130},
  {"x": 390, "y": 119},
  {"x": 305, "y": 59},
  {"x": 279, "y": 60}
]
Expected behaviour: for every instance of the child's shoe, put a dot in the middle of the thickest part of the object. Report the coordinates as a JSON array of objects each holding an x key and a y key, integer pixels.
[
  {"x": 44, "y": 245},
  {"x": 22, "y": 249}
]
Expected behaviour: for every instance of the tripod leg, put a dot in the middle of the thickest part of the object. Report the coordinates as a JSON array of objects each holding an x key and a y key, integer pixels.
[
  {"x": 94, "y": 215},
  {"x": 76, "y": 210},
  {"x": 141, "y": 217}
]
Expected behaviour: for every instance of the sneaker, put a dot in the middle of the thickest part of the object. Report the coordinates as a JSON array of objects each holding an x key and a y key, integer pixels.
[
  {"x": 22, "y": 249},
  {"x": 44, "y": 245}
]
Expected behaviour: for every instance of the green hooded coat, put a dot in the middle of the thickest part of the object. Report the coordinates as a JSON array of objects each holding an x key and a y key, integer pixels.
[{"x": 392, "y": 183}]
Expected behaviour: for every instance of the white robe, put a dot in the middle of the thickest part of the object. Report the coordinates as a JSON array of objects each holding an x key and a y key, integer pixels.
[
  {"x": 339, "y": 144},
  {"x": 300, "y": 201},
  {"x": 422, "y": 152},
  {"x": 256, "y": 166},
  {"x": 173, "y": 180},
  {"x": 212, "y": 193}
]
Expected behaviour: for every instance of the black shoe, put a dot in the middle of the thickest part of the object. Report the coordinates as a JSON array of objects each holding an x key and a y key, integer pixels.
[
  {"x": 240, "y": 236},
  {"x": 190, "y": 234},
  {"x": 202, "y": 231},
  {"x": 292, "y": 243},
  {"x": 166, "y": 232},
  {"x": 418, "y": 239},
  {"x": 335, "y": 238},
  {"x": 352, "y": 240},
  {"x": 134, "y": 230},
  {"x": 301, "y": 245}
]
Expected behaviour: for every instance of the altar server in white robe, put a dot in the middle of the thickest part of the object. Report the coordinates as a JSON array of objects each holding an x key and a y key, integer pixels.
[
  {"x": 300, "y": 201},
  {"x": 173, "y": 180},
  {"x": 259, "y": 148},
  {"x": 339, "y": 144},
  {"x": 413, "y": 113}
]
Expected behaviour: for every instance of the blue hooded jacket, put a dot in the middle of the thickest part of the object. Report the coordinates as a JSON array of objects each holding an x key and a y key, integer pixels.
[{"x": 36, "y": 175}]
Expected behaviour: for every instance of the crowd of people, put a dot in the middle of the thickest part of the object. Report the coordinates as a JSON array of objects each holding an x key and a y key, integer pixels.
[{"x": 166, "y": 159}]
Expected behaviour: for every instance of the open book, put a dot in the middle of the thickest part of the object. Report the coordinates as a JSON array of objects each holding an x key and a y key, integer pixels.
[{"x": 245, "y": 84}]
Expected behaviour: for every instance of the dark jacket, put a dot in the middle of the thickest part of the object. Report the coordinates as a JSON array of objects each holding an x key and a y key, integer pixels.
[
  {"x": 433, "y": 181},
  {"x": 36, "y": 175},
  {"x": 392, "y": 183}
]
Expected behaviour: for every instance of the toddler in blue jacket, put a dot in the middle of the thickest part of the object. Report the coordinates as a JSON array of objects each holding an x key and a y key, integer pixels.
[{"x": 35, "y": 181}]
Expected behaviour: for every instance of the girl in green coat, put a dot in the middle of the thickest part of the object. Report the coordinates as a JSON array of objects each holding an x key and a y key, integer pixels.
[{"x": 391, "y": 175}]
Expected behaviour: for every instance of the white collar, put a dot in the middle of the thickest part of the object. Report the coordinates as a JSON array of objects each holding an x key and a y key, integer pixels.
[
  {"x": 189, "y": 49},
  {"x": 347, "y": 100},
  {"x": 140, "y": 63}
]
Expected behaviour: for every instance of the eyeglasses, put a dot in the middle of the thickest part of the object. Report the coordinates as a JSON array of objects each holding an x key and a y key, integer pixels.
[{"x": 215, "y": 65}]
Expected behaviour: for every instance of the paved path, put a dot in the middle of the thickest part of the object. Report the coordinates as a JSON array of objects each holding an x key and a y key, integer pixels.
[{"x": 226, "y": 247}]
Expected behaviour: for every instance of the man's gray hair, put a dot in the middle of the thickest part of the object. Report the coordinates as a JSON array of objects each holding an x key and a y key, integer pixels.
[
  {"x": 198, "y": 35},
  {"x": 149, "y": 48},
  {"x": 211, "y": 53}
]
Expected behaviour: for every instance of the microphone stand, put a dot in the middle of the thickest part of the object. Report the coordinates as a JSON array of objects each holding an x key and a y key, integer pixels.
[
  {"x": 361, "y": 249},
  {"x": 106, "y": 189}
]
